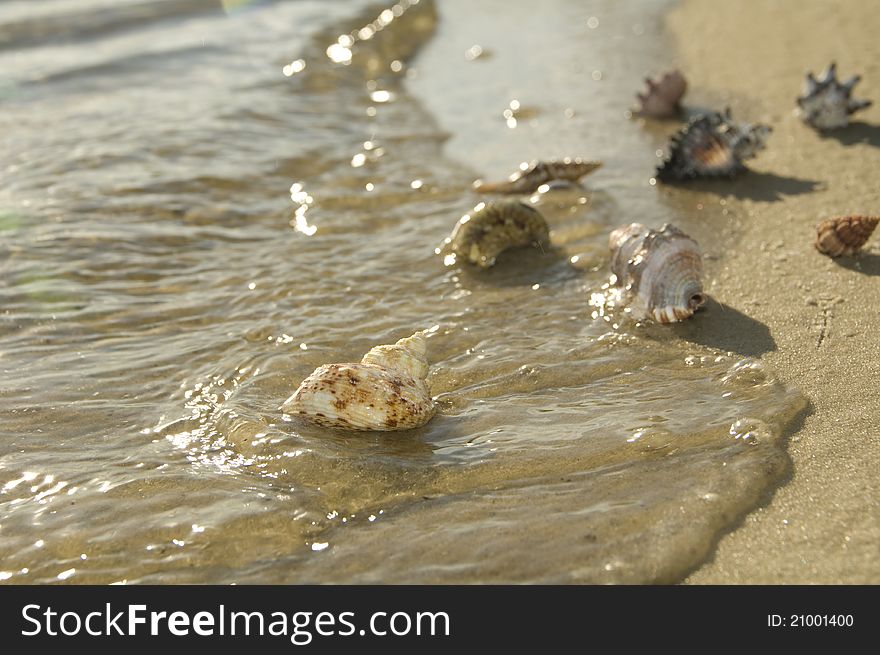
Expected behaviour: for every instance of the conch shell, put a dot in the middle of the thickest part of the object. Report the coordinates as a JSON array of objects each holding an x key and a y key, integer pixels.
[
  {"x": 844, "y": 235},
  {"x": 662, "y": 99},
  {"x": 491, "y": 228},
  {"x": 661, "y": 268},
  {"x": 532, "y": 175},
  {"x": 711, "y": 145},
  {"x": 827, "y": 103},
  {"x": 385, "y": 391}
]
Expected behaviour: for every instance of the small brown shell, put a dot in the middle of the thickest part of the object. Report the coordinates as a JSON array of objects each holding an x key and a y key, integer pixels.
[
  {"x": 532, "y": 175},
  {"x": 844, "y": 235},
  {"x": 662, "y": 99}
]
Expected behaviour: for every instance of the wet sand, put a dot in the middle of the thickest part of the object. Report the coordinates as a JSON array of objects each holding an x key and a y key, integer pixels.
[
  {"x": 810, "y": 319},
  {"x": 147, "y": 348},
  {"x": 823, "y": 524}
]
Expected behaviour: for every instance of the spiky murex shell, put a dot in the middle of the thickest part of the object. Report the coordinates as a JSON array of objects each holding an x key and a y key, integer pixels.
[
  {"x": 711, "y": 145},
  {"x": 662, "y": 97},
  {"x": 827, "y": 103}
]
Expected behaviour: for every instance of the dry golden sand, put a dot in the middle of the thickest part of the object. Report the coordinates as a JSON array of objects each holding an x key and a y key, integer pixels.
[{"x": 823, "y": 525}]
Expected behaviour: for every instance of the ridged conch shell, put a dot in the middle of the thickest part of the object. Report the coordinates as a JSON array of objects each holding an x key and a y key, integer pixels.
[
  {"x": 844, "y": 235},
  {"x": 662, "y": 98},
  {"x": 661, "y": 268},
  {"x": 490, "y": 229},
  {"x": 711, "y": 145},
  {"x": 827, "y": 103},
  {"x": 385, "y": 391},
  {"x": 532, "y": 175}
]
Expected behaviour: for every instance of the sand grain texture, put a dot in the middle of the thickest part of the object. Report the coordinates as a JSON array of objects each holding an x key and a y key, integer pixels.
[{"x": 823, "y": 526}]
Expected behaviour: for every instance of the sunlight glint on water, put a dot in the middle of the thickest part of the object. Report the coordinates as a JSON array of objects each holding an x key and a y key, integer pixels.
[{"x": 193, "y": 221}]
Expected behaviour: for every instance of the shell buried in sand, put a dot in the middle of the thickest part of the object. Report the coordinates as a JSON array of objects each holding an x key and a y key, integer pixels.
[
  {"x": 662, "y": 269},
  {"x": 844, "y": 235},
  {"x": 386, "y": 390},
  {"x": 490, "y": 229},
  {"x": 532, "y": 175}
]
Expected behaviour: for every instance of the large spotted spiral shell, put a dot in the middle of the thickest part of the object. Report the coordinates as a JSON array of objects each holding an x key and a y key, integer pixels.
[
  {"x": 662, "y": 269},
  {"x": 387, "y": 390}
]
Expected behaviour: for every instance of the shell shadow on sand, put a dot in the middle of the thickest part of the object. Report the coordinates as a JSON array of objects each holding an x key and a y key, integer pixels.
[
  {"x": 855, "y": 133},
  {"x": 866, "y": 263},
  {"x": 721, "y": 326},
  {"x": 752, "y": 185}
]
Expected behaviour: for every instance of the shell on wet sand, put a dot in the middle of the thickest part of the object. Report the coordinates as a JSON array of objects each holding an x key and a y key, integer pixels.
[
  {"x": 662, "y": 269},
  {"x": 844, "y": 235},
  {"x": 828, "y": 103},
  {"x": 711, "y": 145},
  {"x": 532, "y": 175},
  {"x": 662, "y": 98},
  {"x": 491, "y": 228},
  {"x": 387, "y": 390}
]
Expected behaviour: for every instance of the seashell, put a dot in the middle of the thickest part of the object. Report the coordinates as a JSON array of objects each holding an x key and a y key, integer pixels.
[
  {"x": 844, "y": 235},
  {"x": 532, "y": 175},
  {"x": 711, "y": 145},
  {"x": 662, "y": 270},
  {"x": 493, "y": 227},
  {"x": 827, "y": 103},
  {"x": 387, "y": 390},
  {"x": 662, "y": 99}
]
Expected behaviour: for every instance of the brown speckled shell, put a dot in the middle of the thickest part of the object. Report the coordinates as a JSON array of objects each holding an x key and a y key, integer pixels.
[
  {"x": 493, "y": 227},
  {"x": 532, "y": 175},
  {"x": 385, "y": 391},
  {"x": 844, "y": 235},
  {"x": 662, "y": 98}
]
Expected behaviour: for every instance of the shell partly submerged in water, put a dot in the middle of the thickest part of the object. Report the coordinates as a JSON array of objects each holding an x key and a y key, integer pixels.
[
  {"x": 844, "y": 235},
  {"x": 711, "y": 145},
  {"x": 661, "y": 268},
  {"x": 385, "y": 391},
  {"x": 491, "y": 228},
  {"x": 827, "y": 103},
  {"x": 532, "y": 175},
  {"x": 662, "y": 98}
]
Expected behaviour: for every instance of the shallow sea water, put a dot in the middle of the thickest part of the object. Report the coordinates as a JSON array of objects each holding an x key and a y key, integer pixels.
[{"x": 203, "y": 201}]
